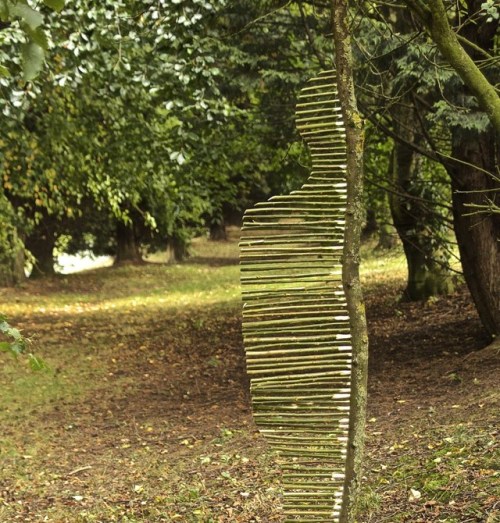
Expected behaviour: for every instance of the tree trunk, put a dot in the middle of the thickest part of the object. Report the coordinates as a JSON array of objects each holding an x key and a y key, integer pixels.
[
  {"x": 478, "y": 233},
  {"x": 177, "y": 250},
  {"x": 11, "y": 258},
  {"x": 351, "y": 257},
  {"x": 41, "y": 245},
  {"x": 218, "y": 231},
  {"x": 127, "y": 250},
  {"x": 371, "y": 224},
  {"x": 386, "y": 231},
  {"x": 379, "y": 224},
  {"x": 477, "y": 230},
  {"x": 11, "y": 247},
  {"x": 411, "y": 217}
]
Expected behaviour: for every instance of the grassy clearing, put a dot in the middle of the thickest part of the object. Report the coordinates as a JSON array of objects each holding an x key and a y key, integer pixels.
[
  {"x": 379, "y": 266},
  {"x": 143, "y": 414},
  {"x": 447, "y": 474}
]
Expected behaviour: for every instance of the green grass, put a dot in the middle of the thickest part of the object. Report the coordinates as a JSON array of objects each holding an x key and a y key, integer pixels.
[
  {"x": 112, "y": 329},
  {"x": 103, "y": 334},
  {"x": 454, "y": 469},
  {"x": 382, "y": 265}
]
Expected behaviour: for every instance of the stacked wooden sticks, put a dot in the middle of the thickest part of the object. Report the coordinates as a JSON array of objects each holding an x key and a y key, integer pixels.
[{"x": 295, "y": 323}]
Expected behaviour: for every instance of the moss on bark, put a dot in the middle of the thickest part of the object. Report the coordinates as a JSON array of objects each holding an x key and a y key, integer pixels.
[{"x": 351, "y": 256}]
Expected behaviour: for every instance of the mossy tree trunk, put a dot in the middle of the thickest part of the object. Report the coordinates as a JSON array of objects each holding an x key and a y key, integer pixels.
[
  {"x": 412, "y": 204},
  {"x": 412, "y": 218},
  {"x": 478, "y": 233},
  {"x": 474, "y": 176},
  {"x": 351, "y": 257}
]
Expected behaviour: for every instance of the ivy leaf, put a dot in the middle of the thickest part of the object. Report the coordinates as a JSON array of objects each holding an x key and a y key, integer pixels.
[
  {"x": 33, "y": 58},
  {"x": 29, "y": 16},
  {"x": 4, "y": 71},
  {"x": 57, "y": 5}
]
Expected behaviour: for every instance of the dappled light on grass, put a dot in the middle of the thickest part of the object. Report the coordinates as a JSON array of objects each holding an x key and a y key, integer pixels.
[
  {"x": 143, "y": 413},
  {"x": 149, "y": 286},
  {"x": 382, "y": 265}
]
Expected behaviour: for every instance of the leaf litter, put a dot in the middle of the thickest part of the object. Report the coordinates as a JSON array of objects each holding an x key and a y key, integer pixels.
[{"x": 144, "y": 413}]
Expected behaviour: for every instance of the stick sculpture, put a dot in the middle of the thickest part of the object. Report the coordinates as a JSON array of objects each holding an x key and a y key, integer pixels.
[{"x": 295, "y": 323}]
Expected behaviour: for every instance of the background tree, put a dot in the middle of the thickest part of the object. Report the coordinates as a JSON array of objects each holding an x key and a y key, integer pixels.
[
  {"x": 161, "y": 120},
  {"x": 457, "y": 131}
]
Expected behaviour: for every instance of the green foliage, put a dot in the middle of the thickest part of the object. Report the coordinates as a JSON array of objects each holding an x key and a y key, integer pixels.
[
  {"x": 173, "y": 116},
  {"x": 491, "y": 10},
  {"x": 393, "y": 51},
  {"x": 16, "y": 345},
  {"x": 31, "y": 24},
  {"x": 162, "y": 116}
]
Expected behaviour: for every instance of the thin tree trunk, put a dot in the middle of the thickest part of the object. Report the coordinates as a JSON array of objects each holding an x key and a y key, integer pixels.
[
  {"x": 177, "y": 250},
  {"x": 42, "y": 249},
  {"x": 127, "y": 250},
  {"x": 371, "y": 225},
  {"x": 413, "y": 217},
  {"x": 41, "y": 243},
  {"x": 11, "y": 257},
  {"x": 351, "y": 259},
  {"x": 387, "y": 238}
]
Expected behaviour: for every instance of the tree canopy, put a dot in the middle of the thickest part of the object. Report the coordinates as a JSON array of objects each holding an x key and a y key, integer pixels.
[{"x": 132, "y": 127}]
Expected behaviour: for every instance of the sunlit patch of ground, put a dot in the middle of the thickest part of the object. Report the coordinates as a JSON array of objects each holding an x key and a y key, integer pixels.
[{"x": 143, "y": 415}]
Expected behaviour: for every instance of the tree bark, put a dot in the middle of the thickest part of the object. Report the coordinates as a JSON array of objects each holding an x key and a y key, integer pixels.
[
  {"x": 177, "y": 250},
  {"x": 386, "y": 233},
  {"x": 414, "y": 217},
  {"x": 351, "y": 257},
  {"x": 127, "y": 250},
  {"x": 478, "y": 233},
  {"x": 371, "y": 225},
  {"x": 41, "y": 245},
  {"x": 11, "y": 258},
  {"x": 11, "y": 246},
  {"x": 426, "y": 276},
  {"x": 474, "y": 174},
  {"x": 218, "y": 231}
]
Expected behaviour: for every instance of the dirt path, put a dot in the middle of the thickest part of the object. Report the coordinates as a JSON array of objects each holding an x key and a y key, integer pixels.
[{"x": 163, "y": 430}]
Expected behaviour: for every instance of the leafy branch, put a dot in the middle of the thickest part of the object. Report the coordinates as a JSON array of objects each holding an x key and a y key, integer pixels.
[
  {"x": 30, "y": 21},
  {"x": 17, "y": 344}
]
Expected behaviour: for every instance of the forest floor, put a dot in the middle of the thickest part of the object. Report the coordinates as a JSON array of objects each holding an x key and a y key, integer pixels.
[{"x": 143, "y": 414}]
